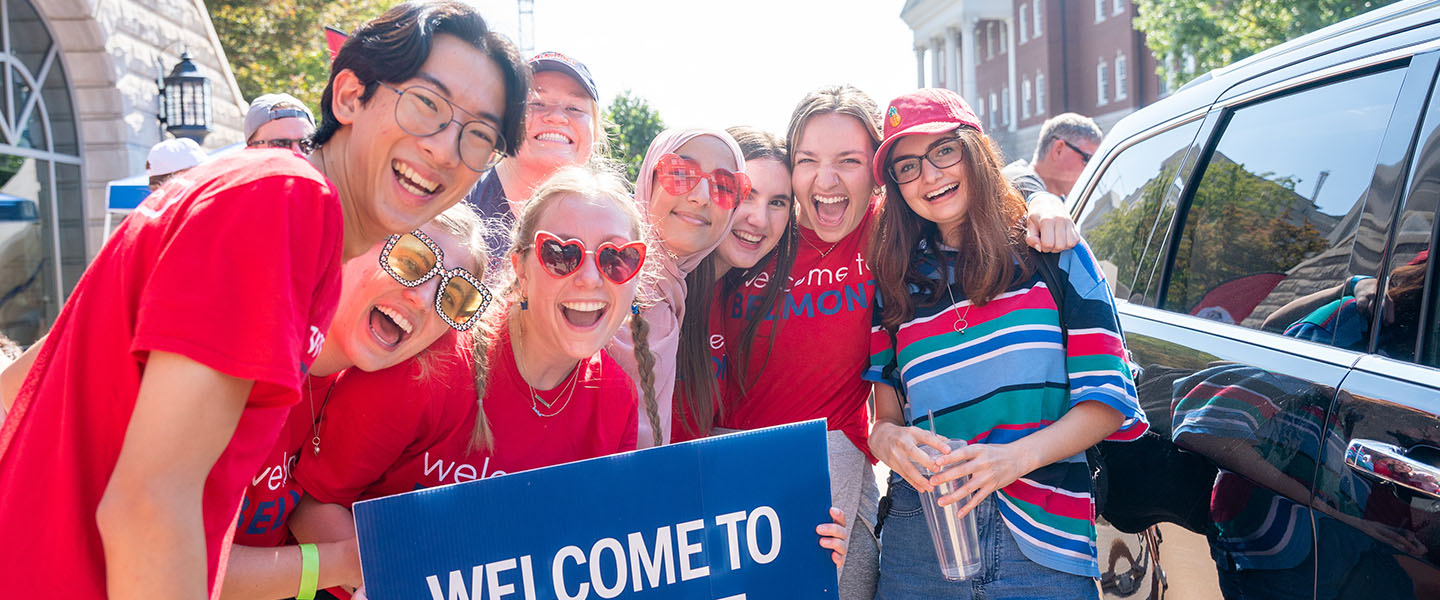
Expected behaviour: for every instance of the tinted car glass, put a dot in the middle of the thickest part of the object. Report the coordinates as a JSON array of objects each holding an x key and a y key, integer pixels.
[
  {"x": 1267, "y": 234},
  {"x": 1120, "y": 219}
]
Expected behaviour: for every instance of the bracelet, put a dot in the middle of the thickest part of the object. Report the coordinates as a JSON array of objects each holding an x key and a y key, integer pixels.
[{"x": 309, "y": 571}]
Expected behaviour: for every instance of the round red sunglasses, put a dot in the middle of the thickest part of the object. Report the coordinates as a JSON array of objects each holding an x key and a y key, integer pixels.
[
  {"x": 678, "y": 175},
  {"x": 562, "y": 258}
]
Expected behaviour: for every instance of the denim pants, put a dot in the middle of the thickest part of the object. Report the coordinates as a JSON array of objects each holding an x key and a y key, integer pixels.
[{"x": 909, "y": 568}]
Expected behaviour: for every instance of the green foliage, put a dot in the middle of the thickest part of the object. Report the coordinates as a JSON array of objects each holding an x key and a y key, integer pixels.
[
  {"x": 631, "y": 125},
  {"x": 1240, "y": 223},
  {"x": 279, "y": 45},
  {"x": 1220, "y": 32}
]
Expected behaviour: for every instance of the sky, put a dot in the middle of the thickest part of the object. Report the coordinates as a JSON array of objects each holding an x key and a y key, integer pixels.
[{"x": 728, "y": 62}]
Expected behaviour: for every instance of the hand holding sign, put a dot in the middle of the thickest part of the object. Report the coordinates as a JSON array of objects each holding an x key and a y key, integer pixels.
[{"x": 730, "y": 517}]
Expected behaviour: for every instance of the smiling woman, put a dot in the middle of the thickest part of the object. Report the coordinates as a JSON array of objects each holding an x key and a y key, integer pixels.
[
  {"x": 688, "y": 187},
  {"x": 563, "y": 127},
  {"x": 530, "y": 385},
  {"x": 381, "y": 321}
]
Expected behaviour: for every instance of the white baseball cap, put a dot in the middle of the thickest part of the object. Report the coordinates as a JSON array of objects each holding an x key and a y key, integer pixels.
[{"x": 174, "y": 155}]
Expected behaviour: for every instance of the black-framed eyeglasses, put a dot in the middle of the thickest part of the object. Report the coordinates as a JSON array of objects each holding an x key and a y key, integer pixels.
[
  {"x": 1084, "y": 156},
  {"x": 301, "y": 145},
  {"x": 423, "y": 112},
  {"x": 943, "y": 154},
  {"x": 413, "y": 258}
]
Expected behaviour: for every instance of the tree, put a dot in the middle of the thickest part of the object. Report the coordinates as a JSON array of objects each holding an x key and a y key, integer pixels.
[
  {"x": 632, "y": 125},
  {"x": 279, "y": 45},
  {"x": 1219, "y": 32}
]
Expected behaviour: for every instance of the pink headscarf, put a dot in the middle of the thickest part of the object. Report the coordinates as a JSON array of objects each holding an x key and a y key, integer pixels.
[{"x": 668, "y": 312}]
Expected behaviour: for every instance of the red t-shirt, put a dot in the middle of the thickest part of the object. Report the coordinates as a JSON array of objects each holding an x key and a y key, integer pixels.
[
  {"x": 814, "y": 368},
  {"x": 273, "y": 493},
  {"x": 234, "y": 264},
  {"x": 682, "y": 426},
  {"x": 392, "y": 431}
]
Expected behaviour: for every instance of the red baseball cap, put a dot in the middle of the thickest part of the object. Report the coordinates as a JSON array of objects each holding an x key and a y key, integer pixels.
[{"x": 923, "y": 111}]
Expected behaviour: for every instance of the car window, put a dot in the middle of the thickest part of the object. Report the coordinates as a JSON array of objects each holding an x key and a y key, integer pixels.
[
  {"x": 1120, "y": 218},
  {"x": 1267, "y": 235},
  {"x": 1409, "y": 266}
]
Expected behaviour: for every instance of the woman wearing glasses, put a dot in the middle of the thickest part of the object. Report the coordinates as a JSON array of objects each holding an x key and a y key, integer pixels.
[
  {"x": 379, "y": 322},
  {"x": 690, "y": 183},
  {"x": 762, "y": 234},
  {"x": 831, "y": 140},
  {"x": 971, "y": 342},
  {"x": 551, "y": 393}
]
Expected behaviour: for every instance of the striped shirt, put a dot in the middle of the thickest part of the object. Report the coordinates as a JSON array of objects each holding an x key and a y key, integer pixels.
[{"x": 1011, "y": 374}]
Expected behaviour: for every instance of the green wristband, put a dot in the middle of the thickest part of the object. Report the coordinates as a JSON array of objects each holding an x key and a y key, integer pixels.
[{"x": 309, "y": 571}]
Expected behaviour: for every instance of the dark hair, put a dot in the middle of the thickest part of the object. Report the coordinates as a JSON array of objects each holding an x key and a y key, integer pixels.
[
  {"x": 756, "y": 144},
  {"x": 993, "y": 240},
  {"x": 393, "y": 47}
]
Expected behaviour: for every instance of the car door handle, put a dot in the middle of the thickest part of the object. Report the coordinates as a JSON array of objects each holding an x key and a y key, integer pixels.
[{"x": 1388, "y": 462}]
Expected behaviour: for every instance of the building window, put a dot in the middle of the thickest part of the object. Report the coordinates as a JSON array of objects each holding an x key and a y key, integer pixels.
[
  {"x": 1102, "y": 83},
  {"x": 1004, "y": 37},
  {"x": 1119, "y": 6},
  {"x": 994, "y": 104},
  {"x": 1099, "y": 10},
  {"x": 41, "y": 189},
  {"x": 1005, "y": 106},
  {"x": 990, "y": 39},
  {"x": 1122, "y": 77},
  {"x": 1039, "y": 93},
  {"x": 1038, "y": 29},
  {"x": 1024, "y": 23},
  {"x": 1025, "y": 99}
]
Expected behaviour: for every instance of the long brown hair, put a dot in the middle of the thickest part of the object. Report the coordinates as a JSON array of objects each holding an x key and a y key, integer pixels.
[
  {"x": 701, "y": 394},
  {"x": 592, "y": 180},
  {"x": 756, "y": 145},
  {"x": 991, "y": 237}
]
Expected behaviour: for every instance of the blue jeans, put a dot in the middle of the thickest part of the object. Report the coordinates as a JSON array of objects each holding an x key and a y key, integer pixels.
[{"x": 909, "y": 568}]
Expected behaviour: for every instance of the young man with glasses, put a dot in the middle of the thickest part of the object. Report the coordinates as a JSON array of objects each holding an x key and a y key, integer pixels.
[
  {"x": 167, "y": 375},
  {"x": 279, "y": 121},
  {"x": 1066, "y": 144}
]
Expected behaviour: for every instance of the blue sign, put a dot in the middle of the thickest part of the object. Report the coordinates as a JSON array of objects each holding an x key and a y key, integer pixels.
[{"x": 725, "y": 518}]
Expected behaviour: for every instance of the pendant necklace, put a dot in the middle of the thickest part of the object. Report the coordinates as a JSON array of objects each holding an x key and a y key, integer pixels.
[
  {"x": 823, "y": 253},
  {"x": 960, "y": 323},
  {"x": 567, "y": 392},
  {"x": 314, "y": 416}
]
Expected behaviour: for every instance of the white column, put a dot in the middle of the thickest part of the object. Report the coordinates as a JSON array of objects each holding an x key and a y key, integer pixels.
[
  {"x": 937, "y": 63},
  {"x": 1014, "y": 81},
  {"x": 968, "y": 55},
  {"x": 952, "y": 61},
  {"x": 920, "y": 66}
]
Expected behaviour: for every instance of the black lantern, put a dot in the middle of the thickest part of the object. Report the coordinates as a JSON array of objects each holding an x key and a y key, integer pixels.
[{"x": 185, "y": 101}]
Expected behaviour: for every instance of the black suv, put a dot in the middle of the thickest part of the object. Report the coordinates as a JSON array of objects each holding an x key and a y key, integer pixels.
[{"x": 1267, "y": 230}]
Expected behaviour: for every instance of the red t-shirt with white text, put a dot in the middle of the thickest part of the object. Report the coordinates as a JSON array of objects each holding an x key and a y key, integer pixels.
[
  {"x": 273, "y": 493},
  {"x": 234, "y": 264},
  {"x": 814, "y": 367},
  {"x": 390, "y": 431}
]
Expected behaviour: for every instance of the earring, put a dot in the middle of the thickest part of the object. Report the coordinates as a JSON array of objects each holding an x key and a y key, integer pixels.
[
  {"x": 524, "y": 303},
  {"x": 635, "y": 307},
  {"x": 877, "y": 190}
]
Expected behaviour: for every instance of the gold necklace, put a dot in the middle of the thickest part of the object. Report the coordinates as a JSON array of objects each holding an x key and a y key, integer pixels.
[
  {"x": 314, "y": 416},
  {"x": 960, "y": 323},
  {"x": 823, "y": 253},
  {"x": 568, "y": 391}
]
